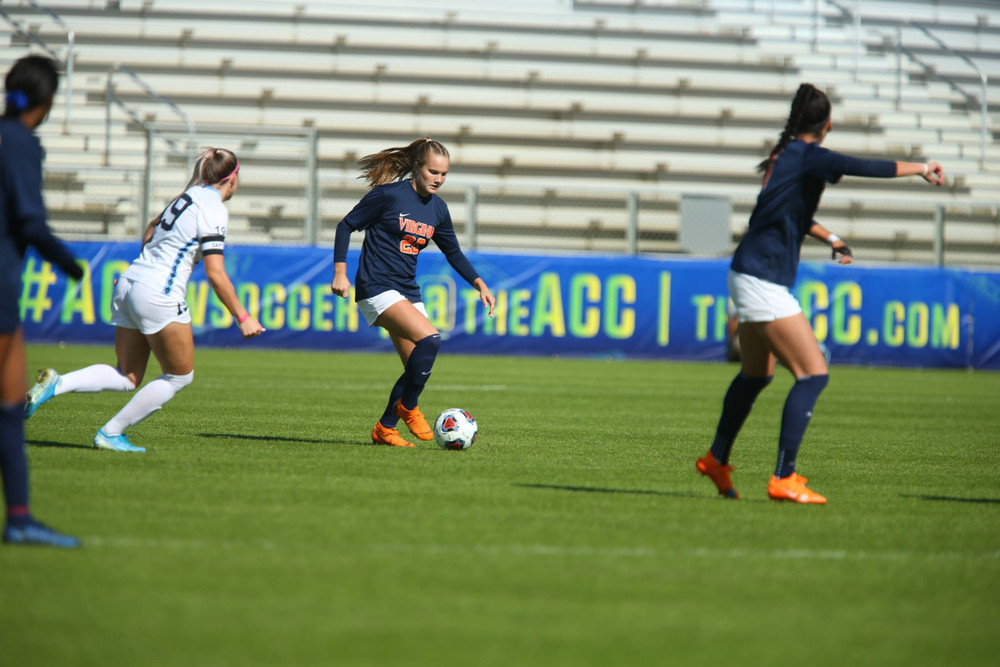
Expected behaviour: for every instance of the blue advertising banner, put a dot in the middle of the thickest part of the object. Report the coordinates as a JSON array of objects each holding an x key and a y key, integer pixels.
[{"x": 608, "y": 306}]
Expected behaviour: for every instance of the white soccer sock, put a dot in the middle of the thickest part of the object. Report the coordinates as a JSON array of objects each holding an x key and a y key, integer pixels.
[
  {"x": 146, "y": 401},
  {"x": 91, "y": 379}
]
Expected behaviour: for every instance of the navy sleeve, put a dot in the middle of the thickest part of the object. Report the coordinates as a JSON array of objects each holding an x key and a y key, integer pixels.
[
  {"x": 341, "y": 242},
  {"x": 23, "y": 184},
  {"x": 831, "y": 166},
  {"x": 447, "y": 241},
  {"x": 854, "y": 166},
  {"x": 367, "y": 211}
]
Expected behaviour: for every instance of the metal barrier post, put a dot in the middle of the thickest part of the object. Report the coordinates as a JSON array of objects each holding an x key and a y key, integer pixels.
[
  {"x": 312, "y": 187},
  {"x": 147, "y": 183},
  {"x": 471, "y": 216},
  {"x": 107, "y": 123},
  {"x": 71, "y": 36},
  {"x": 983, "y": 119},
  {"x": 899, "y": 67},
  {"x": 632, "y": 222},
  {"x": 939, "y": 235}
]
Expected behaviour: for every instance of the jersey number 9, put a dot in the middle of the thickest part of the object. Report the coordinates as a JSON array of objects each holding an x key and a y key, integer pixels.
[{"x": 169, "y": 217}]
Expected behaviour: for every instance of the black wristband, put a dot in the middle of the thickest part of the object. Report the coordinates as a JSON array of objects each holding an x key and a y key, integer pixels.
[{"x": 843, "y": 250}]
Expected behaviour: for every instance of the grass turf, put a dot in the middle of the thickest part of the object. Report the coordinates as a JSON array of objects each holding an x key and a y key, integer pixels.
[{"x": 260, "y": 528}]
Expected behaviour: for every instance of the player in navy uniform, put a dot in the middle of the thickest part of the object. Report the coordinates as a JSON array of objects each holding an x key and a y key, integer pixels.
[
  {"x": 771, "y": 323},
  {"x": 399, "y": 217},
  {"x": 149, "y": 308},
  {"x": 30, "y": 84}
]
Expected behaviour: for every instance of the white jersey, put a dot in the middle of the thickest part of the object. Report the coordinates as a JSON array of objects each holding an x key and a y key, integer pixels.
[{"x": 193, "y": 225}]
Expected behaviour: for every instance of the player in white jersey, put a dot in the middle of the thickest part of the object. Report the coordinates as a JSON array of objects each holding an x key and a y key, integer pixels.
[
  {"x": 149, "y": 309},
  {"x": 194, "y": 225}
]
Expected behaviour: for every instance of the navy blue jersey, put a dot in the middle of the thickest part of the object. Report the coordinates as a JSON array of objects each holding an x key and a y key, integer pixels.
[
  {"x": 786, "y": 206},
  {"x": 398, "y": 223},
  {"x": 22, "y": 217}
]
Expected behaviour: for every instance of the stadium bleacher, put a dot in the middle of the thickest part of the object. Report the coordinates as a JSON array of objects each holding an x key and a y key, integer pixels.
[{"x": 553, "y": 111}]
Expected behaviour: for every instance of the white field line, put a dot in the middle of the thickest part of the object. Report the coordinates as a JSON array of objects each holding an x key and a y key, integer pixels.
[{"x": 537, "y": 550}]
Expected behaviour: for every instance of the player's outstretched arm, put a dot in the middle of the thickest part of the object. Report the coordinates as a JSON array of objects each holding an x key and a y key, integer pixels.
[{"x": 215, "y": 270}]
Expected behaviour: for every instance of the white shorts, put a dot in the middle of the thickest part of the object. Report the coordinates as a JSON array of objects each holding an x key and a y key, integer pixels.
[
  {"x": 137, "y": 306},
  {"x": 759, "y": 300},
  {"x": 374, "y": 306}
]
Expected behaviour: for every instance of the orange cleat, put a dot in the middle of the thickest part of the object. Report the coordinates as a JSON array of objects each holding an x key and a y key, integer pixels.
[
  {"x": 388, "y": 436},
  {"x": 709, "y": 465},
  {"x": 415, "y": 421},
  {"x": 793, "y": 488}
]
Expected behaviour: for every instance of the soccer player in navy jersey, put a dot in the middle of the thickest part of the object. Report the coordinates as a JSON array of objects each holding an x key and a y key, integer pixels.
[
  {"x": 771, "y": 323},
  {"x": 399, "y": 217},
  {"x": 30, "y": 87}
]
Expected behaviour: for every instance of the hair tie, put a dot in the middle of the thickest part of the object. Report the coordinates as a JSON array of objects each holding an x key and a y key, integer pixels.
[
  {"x": 816, "y": 127},
  {"x": 18, "y": 99}
]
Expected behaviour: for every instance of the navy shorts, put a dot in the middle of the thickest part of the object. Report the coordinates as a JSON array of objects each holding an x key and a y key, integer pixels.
[{"x": 10, "y": 311}]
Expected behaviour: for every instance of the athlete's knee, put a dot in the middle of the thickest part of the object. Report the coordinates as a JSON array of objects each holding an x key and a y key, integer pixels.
[
  {"x": 178, "y": 382},
  {"x": 129, "y": 381},
  {"x": 430, "y": 343}
]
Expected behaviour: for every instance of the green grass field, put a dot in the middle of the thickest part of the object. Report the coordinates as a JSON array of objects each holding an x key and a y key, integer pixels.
[{"x": 261, "y": 528}]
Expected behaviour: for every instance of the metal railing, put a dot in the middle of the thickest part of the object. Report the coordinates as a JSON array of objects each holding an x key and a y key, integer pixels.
[
  {"x": 637, "y": 230},
  {"x": 310, "y": 160},
  {"x": 982, "y": 101},
  {"x": 67, "y": 61},
  {"x": 513, "y": 216},
  {"x": 112, "y": 99}
]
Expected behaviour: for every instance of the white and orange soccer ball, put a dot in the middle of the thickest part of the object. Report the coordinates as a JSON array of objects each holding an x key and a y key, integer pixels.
[{"x": 455, "y": 429}]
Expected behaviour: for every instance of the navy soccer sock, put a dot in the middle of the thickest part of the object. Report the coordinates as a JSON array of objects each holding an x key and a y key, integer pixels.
[
  {"x": 14, "y": 462},
  {"x": 795, "y": 418},
  {"x": 740, "y": 397},
  {"x": 418, "y": 369},
  {"x": 389, "y": 417}
]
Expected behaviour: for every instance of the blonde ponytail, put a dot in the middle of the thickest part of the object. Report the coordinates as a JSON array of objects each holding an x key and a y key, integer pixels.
[{"x": 395, "y": 164}]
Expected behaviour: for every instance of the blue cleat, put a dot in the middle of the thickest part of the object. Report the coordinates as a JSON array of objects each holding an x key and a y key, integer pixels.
[
  {"x": 41, "y": 392},
  {"x": 34, "y": 532},
  {"x": 118, "y": 443}
]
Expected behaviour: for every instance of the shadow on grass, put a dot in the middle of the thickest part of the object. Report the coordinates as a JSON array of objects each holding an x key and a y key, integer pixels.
[
  {"x": 950, "y": 499},
  {"x": 597, "y": 489},
  {"x": 52, "y": 443},
  {"x": 275, "y": 438},
  {"x": 309, "y": 441}
]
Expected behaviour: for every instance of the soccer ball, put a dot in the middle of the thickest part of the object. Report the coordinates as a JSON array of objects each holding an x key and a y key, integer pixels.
[{"x": 455, "y": 429}]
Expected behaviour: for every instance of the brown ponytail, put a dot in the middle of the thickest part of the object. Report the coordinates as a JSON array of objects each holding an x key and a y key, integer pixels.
[{"x": 394, "y": 164}]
